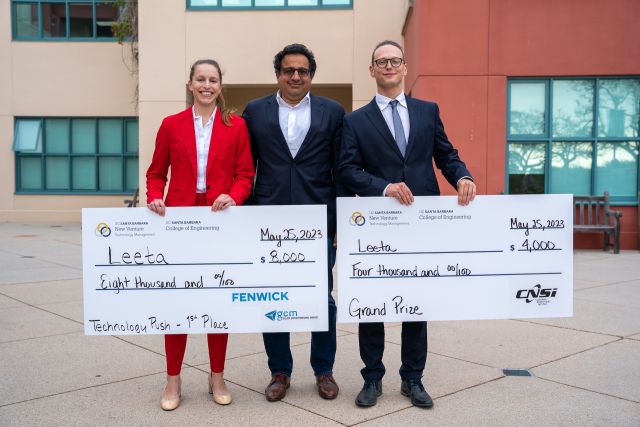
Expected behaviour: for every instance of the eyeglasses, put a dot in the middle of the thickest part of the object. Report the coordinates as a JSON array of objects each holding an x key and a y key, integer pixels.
[
  {"x": 302, "y": 72},
  {"x": 382, "y": 62}
]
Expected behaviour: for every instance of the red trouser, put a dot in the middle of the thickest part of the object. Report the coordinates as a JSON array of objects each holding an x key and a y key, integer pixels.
[{"x": 176, "y": 344}]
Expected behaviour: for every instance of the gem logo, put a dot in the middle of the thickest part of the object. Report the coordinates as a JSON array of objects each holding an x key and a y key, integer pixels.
[
  {"x": 278, "y": 315},
  {"x": 103, "y": 230},
  {"x": 542, "y": 296},
  {"x": 357, "y": 219}
]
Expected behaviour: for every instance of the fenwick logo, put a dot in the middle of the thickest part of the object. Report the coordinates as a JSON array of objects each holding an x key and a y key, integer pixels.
[{"x": 537, "y": 293}]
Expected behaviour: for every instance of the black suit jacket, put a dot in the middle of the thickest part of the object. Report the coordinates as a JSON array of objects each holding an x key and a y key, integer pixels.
[
  {"x": 309, "y": 178},
  {"x": 370, "y": 158}
]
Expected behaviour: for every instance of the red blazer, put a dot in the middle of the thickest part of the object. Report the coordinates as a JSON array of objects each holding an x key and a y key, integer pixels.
[{"x": 229, "y": 165}]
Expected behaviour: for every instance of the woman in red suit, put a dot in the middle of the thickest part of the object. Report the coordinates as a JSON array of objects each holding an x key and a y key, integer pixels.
[{"x": 208, "y": 151}]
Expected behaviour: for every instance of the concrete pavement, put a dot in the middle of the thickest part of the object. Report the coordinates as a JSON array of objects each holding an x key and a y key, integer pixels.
[{"x": 586, "y": 369}]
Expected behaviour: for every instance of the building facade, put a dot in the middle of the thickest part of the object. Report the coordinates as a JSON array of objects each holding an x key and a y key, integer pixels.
[
  {"x": 78, "y": 127},
  {"x": 539, "y": 96}
]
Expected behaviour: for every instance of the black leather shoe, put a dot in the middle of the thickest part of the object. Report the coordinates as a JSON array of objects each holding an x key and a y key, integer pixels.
[
  {"x": 415, "y": 390},
  {"x": 369, "y": 394}
]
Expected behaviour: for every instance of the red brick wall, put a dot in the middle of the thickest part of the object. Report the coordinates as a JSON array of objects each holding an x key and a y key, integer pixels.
[{"x": 460, "y": 54}]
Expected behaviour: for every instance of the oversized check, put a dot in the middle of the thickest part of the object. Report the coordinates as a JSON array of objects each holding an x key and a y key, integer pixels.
[
  {"x": 244, "y": 269},
  {"x": 499, "y": 257}
]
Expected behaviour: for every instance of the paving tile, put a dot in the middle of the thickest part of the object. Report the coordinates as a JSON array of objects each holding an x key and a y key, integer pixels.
[
  {"x": 620, "y": 294},
  {"x": 607, "y": 269},
  {"x": 197, "y": 352},
  {"x": 611, "y": 369},
  {"x": 58, "y": 364},
  {"x": 504, "y": 343},
  {"x": 26, "y": 322},
  {"x": 588, "y": 255},
  {"x": 53, "y": 377},
  {"x": 71, "y": 310},
  {"x": 443, "y": 375},
  {"x": 598, "y": 317},
  {"x": 634, "y": 283},
  {"x": 519, "y": 401},
  {"x": 352, "y": 328},
  {"x": 39, "y": 231},
  {"x": 15, "y": 269},
  {"x": 585, "y": 255},
  {"x": 14, "y": 263},
  {"x": 48, "y": 250},
  {"x": 45, "y": 292},
  {"x": 586, "y": 284},
  {"x": 136, "y": 402},
  {"x": 6, "y": 302}
]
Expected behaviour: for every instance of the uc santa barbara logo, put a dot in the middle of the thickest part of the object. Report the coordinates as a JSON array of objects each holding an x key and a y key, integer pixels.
[
  {"x": 102, "y": 229},
  {"x": 357, "y": 219}
]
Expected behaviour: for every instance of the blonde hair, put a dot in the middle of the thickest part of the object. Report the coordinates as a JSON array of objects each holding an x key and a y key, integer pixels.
[{"x": 225, "y": 112}]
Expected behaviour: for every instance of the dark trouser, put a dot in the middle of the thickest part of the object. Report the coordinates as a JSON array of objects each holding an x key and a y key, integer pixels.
[
  {"x": 413, "y": 350},
  {"x": 323, "y": 344}
]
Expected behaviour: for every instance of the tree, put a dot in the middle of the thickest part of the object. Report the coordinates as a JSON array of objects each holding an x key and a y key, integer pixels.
[{"x": 125, "y": 30}]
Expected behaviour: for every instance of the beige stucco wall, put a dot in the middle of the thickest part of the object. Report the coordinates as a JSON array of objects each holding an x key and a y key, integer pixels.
[
  {"x": 374, "y": 21},
  {"x": 90, "y": 79},
  {"x": 5, "y": 59},
  {"x": 244, "y": 42},
  {"x": 71, "y": 79},
  {"x": 7, "y": 168},
  {"x": 65, "y": 79}
]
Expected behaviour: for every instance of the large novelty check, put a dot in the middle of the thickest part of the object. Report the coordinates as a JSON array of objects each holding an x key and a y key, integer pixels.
[
  {"x": 245, "y": 269},
  {"x": 500, "y": 257}
]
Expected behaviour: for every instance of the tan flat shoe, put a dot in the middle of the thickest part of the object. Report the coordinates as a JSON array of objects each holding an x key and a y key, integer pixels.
[
  {"x": 219, "y": 398},
  {"x": 171, "y": 404}
]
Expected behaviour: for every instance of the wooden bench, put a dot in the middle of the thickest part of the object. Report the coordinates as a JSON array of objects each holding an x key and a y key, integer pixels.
[
  {"x": 593, "y": 214},
  {"x": 133, "y": 203}
]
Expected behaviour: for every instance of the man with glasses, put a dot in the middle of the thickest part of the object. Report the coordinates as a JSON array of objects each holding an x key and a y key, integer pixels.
[
  {"x": 387, "y": 150},
  {"x": 295, "y": 142}
]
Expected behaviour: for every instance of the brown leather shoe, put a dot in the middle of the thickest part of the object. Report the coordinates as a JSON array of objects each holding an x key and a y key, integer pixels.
[
  {"x": 327, "y": 386},
  {"x": 277, "y": 388}
]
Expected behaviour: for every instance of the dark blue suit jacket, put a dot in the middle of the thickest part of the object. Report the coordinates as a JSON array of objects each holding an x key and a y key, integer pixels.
[
  {"x": 370, "y": 158},
  {"x": 311, "y": 177}
]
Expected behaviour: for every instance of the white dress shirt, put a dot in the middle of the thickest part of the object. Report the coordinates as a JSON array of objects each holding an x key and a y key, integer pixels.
[
  {"x": 294, "y": 121},
  {"x": 203, "y": 139}
]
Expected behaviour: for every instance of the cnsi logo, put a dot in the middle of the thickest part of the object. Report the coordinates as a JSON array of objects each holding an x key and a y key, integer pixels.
[
  {"x": 357, "y": 219},
  {"x": 539, "y": 294},
  {"x": 278, "y": 315},
  {"x": 102, "y": 229}
]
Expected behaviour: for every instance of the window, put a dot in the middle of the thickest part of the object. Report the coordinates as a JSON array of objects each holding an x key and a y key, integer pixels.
[
  {"x": 76, "y": 20},
  {"x": 574, "y": 135},
  {"x": 76, "y": 155},
  {"x": 268, "y": 4}
]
